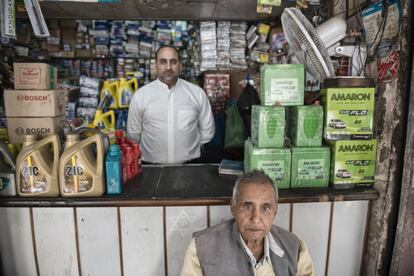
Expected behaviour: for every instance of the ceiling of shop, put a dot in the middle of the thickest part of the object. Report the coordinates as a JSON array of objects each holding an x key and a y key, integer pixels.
[{"x": 158, "y": 9}]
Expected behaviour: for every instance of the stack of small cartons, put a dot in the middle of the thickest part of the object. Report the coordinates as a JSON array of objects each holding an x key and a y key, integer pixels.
[
  {"x": 35, "y": 106},
  {"x": 348, "y": 129},
  {"x": 306, "y": 164}
]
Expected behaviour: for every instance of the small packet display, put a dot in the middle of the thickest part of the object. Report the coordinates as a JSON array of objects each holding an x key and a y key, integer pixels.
[
  {"x": 238, "y": 45},
  {"x": 89, "y": 92},
  {"x": 85, "y": 81},
  {"x": 86, "y": 112},
  {"x": 208, "y": 45},
  {"x": 217, "y": 87},
  {"x": 223, "y": 45},
  {"x": 88, "y": 102}
]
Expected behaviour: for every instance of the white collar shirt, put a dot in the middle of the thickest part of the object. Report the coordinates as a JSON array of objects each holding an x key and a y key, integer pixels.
[
  {"x": 170, "y": 124},
  {"x": 266, "y": 256}
]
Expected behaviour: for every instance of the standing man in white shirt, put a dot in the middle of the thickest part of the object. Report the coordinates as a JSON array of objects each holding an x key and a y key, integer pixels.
[{"x": 171, "y": 118}]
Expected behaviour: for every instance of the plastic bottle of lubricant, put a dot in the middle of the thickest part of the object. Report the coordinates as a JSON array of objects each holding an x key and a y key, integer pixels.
[
  {"x": 113, "y": 170},
  {"x": 37, "y": 166},
  {"x": 81, "y": 170}
]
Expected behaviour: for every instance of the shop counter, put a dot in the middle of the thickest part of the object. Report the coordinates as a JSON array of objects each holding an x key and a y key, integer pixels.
[
  {"x": 186, "y": 185},
  {"x": 146, "y": 229}
]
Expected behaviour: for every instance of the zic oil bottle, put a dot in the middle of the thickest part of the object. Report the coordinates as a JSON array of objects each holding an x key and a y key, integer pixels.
[
  {"x": 37, "y": 167},
  {"x": 81, "y": 171}
]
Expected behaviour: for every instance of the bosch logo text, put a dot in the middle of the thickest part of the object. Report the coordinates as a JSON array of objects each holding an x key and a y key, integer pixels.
[{"x": 31, "y": 98}]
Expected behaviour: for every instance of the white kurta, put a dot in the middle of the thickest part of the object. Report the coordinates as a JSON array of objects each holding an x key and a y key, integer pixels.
[{"x": 170, "y": 124}]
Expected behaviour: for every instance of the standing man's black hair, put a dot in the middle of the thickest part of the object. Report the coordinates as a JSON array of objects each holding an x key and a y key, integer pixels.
[{"x": 167, "y": 46}]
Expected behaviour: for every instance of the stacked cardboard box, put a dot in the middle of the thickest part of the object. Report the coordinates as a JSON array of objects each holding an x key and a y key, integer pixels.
[
  {"x": 306, "y": 164},
  {"x": 266, "y": 150},
  {"x": 310, "y": 160},
  {"x": 34, "y": 107},
  {"x": 348, "y": 129}
]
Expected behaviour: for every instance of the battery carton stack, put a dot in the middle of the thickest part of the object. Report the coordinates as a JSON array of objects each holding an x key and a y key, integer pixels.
[
  {"x": 305, "y": 163},
  {"x": 348, "y": 129},
  {"x": 35, "y": 106},
  {"x": 310, "y": 160}
]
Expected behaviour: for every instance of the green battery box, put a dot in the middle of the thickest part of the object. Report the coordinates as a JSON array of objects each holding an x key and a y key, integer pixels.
[
  {"x": 306, "y": 125},
  {"x": 268, "y": 126},
  {"x": 353, "y": 163},
  {"x": 275, "y": 162},
  {"x": 283, "y": 83},
  {"x": 349, "y": 113},
  {"x": 310, "y": 167}
]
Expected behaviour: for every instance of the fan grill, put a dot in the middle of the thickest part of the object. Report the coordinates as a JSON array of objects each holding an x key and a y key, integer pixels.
[{"x": 306, "y": 44}]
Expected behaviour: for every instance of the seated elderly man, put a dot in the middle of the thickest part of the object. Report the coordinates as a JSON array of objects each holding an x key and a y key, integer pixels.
[{"x": 248, "y": 244}]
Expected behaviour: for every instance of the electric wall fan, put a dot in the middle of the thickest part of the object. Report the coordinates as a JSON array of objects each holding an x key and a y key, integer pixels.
[{"x": 314, "y": 46}]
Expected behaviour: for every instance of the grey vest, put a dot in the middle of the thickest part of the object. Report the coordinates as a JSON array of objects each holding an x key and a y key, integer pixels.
[{"x": 221, "y": 253}]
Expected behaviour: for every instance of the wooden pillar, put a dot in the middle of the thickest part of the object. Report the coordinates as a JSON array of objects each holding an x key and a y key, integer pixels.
[
  {"x": 403, "y": 255},
  {"x": 391, "y": 123}
]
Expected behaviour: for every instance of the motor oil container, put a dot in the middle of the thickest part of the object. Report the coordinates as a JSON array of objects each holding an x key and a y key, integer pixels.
[
  {"x": 121, "y": 119},
  {"x": 126, "y": 90},
  {"x": 81, "y": 171},
  {"x": 138, "y": 161},
  {"x": 14, "y": 149},
  {"x": 37, "y": 166},
  {"x": 104, "y": 121},
  {"x": 110, "y": 88},
  {"x": 127, "y": 153},
  {"x": 113, "y": 170},
  {"x": 7, "y": 171}
]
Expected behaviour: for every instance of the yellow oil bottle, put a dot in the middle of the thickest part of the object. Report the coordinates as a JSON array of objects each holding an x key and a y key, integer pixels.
[
  {"x": 126, "y": 90},
  {"x": 37, "y": 167},
  {"x": 110, "y": 89},
  {"x": 80, "y": 169},
  {"x": 104, "y": 120}
]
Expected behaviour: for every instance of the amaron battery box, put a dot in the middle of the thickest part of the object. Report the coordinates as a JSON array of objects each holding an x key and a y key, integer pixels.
[
  {"x": 348, "y": 113},
  {"x": 353, "y": 163}
]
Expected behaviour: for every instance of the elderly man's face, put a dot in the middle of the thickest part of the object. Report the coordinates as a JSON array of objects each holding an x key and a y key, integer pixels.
[
  {"x": 168, "y": 66},
  {"x": 254, "y": 211}
]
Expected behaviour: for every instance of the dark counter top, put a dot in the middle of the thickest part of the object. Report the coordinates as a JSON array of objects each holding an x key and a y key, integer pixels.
[{"x": 185, "y": 185}]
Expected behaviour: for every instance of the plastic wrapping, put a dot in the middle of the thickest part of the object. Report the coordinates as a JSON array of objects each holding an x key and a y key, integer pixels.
[{"x": 89, "y": 82}]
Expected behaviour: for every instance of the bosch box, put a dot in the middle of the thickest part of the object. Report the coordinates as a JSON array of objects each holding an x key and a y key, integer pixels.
[
  {"x": 17, "y": 127},
  {"x": 35, "y": 76},
  {"x": 34, "y": 103}
]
